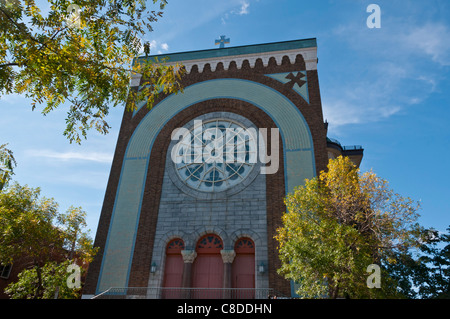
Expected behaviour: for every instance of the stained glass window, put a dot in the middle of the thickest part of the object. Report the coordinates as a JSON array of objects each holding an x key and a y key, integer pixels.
[{"x": 215, "y": 155}]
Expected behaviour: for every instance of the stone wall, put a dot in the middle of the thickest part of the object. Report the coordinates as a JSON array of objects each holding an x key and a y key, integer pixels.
[{"x": 190, "y": 215}]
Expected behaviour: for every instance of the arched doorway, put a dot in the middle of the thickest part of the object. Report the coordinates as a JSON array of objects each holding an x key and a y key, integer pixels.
[
  {"x": 173, "y": 269},
  {"x": 243, "y": 268},
  {"x": 208, "y": 267}
]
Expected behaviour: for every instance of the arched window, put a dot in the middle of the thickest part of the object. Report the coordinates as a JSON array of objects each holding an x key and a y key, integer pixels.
[
  {"x": 221, "y": 167},
  {"x": 208, "y": 266},
  {"x": 243, "y": 268},
  {"x": 173, "y": 269}
]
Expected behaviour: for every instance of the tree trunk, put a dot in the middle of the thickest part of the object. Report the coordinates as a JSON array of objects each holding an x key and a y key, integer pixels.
[
  {"x": 333, "y": 289},
  {"x": 39, "y": 284}
]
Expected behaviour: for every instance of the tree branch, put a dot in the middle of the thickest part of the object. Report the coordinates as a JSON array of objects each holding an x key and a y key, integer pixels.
[
  {"x": 25, "y": 31},
  {"x": 8, "y": 64}
]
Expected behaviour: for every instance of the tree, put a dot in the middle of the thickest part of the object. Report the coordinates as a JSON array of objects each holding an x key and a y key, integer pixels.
[
  {"x": 431, "y": 276},
  {"x": 53, "y": 277},
  {"x": 337, "y": 225},
  {"x": 32, "y": 227},
  {"x": 438, "y": 284},
  {"x": 425, "y": 272},
  {"x": 83, "y": 53},
  {"x": 405, "y": 272},
  {"x": 7, "y": 164},
  {"x": 77, "y": 243}
]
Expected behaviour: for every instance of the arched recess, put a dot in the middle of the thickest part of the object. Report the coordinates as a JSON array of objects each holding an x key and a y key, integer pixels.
[
  {"x": 208, "y": 267},
  {"x": 297, "y": 147},
  {"x": 173, "y": 268},
  {"x": 243, "y": 268}
]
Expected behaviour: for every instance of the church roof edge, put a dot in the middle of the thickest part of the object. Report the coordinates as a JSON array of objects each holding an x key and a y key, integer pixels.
[{"x": 238, "y": 50}]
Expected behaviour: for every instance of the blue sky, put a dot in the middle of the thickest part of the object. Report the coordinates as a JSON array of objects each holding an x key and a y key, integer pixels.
[{"x": 386, "y": 89}]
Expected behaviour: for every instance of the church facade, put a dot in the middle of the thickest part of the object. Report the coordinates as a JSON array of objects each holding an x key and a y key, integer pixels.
[{"x": 197, "y": 183}]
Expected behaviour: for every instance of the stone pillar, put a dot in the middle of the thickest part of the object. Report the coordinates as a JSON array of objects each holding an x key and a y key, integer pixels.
[
  {"x": 227, "y": 258},
  {"x": 188, "y": 258}
]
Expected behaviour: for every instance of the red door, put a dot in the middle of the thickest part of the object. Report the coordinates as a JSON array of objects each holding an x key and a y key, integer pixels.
[
  {"x": 208, "y": 268},
  {"x": 173, "y": 270},
  {"x": 243, "y": 269}
]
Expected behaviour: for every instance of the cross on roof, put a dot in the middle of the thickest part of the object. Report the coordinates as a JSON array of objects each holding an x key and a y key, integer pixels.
[{"x": 222, "y": 41}]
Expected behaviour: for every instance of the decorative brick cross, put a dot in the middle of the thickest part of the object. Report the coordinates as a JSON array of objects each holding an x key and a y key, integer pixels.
[{"x": 295, "y": 79}]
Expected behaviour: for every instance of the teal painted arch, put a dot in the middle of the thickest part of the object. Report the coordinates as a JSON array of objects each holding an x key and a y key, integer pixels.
[
  {"x": 284, "y": 113},
  {"x": 299, "y": 162}
]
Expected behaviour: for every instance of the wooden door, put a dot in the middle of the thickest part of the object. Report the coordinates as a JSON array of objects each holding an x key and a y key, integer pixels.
[
  {"x": 208, "y": 268},
  {"x": 173, "y": 270},
  {"x": 243, "y": 269}
]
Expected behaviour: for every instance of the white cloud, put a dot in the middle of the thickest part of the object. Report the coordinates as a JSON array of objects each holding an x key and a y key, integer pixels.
[
  {"x": 340, "y": 112},
  {"x": 155, "y": 46},
  {"x": 244, "y": 8},
  {"x": 373, "y": 98},
  {"x": 71, "y": 156},
  {"x": 431, "y": 39},
  {"x": 392, "y": 68},
  {"x": 89, "y": 178},
  {"x": 165, "y": 46}
]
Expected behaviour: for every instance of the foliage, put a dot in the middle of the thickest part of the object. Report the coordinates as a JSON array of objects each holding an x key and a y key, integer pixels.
[
  {"x": 76, "y": 242},
  {"x": 425, "y": 272},
  {"x": 31, "y": 227},
  {"x": 53, "y": 277},
  {"x": 7, "y": 164},
  {"x": 338, "y": 224},
  {"x": 404, "y": 271},
  {"x": 26, "y": 225},
  {"x": 83, "y": 53},
  {"x": 435, "y": 257}
]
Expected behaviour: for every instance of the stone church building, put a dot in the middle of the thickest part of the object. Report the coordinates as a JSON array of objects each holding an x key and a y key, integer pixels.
[{"x": 172, "y": 218}]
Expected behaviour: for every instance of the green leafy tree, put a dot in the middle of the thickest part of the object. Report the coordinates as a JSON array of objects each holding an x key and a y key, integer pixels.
[
  {"x": 338, "y": 224},
  {"x": 83, "y": 53},
  {"x": 432, "y": 276},
  {"x": 53, "y": 283},
  {"x": 32, "y": 227},
  {"x": 425, "y": 272},
  {"x": 7, "y": 164},
  {"x": 77, "y": 242},
  {"x": 26, "y": 227},
  {"x": 405, "y": 270}
]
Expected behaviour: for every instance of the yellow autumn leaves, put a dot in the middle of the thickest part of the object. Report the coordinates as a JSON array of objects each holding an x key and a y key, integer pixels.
[{"x": 339, "y": 223}]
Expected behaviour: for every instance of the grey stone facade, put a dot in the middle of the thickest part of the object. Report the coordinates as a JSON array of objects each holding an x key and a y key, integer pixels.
[{"x": 239, "y": 212}]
